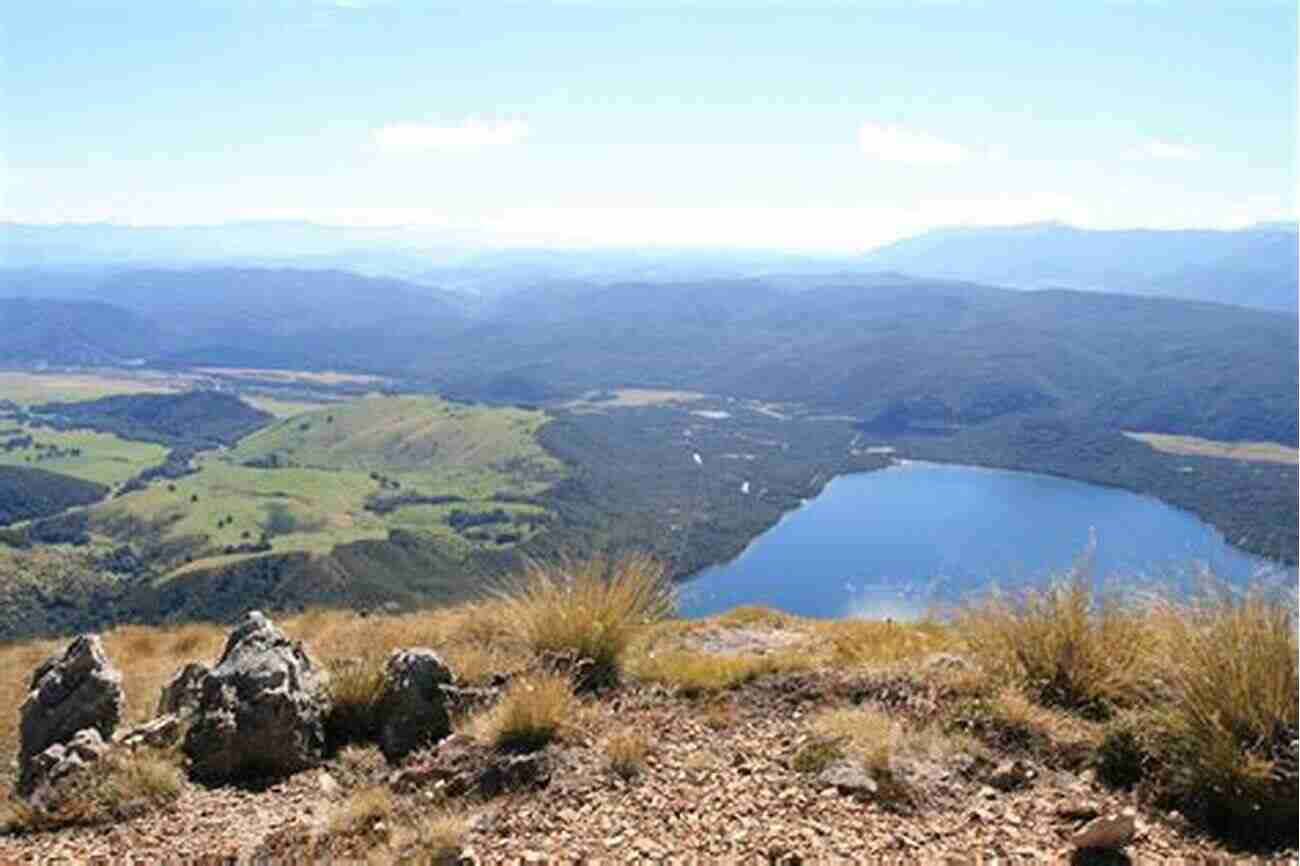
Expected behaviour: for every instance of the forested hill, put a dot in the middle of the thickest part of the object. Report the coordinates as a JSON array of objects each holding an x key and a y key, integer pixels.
[
  {"x": 909, "y": 352},
  {"x": 901, "y": 353},
  {"x": 73, "y": 332}
]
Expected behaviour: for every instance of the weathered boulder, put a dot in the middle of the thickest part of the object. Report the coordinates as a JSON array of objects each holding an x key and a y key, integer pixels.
[
  {"x": 183, "y": 692},
  {"x": 412, "y": 708},
  {"x": 69, "y": 693},
  {"x": 260, "y": 709}
]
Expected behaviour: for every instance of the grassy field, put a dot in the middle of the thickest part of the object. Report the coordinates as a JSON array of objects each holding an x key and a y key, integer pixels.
[
  {"x": 1257, "y": 452},
  {"x": 330, "y": 462},
  {"x": 85, "y": 454},
  {"x": 29, "y": 388},
  {"x": 421, "y": 438}
]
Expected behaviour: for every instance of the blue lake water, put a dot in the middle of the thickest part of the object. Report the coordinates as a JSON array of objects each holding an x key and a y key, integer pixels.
[{"x": 917, "y": 537}]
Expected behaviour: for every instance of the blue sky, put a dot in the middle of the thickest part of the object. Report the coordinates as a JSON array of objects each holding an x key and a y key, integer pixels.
[{"x": 772, "y": 124}]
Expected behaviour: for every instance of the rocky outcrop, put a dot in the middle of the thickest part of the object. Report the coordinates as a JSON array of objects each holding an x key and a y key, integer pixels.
[
  {"x": 459, "y": 767},
  {"x": 76, "y": 691},
  {"x": 412, "y": 708},
  {"x": 260, "y": 710},
  {"x": 183, "y": 692}
]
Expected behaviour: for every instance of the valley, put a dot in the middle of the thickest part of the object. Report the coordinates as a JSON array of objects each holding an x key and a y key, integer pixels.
[{"x": 290, "y": 488}]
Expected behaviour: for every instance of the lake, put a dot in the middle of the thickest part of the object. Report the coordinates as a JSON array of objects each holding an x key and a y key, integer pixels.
[{"x": 919, "y": 536}]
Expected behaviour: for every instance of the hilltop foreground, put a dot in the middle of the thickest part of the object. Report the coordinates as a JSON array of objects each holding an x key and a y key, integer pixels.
[{"x": 574, "y": 722}]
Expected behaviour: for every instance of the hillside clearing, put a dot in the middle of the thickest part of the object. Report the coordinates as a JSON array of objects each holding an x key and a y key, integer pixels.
[
  {"x": 1255, "y": 452},
  {"x": 29, "y": 388}
]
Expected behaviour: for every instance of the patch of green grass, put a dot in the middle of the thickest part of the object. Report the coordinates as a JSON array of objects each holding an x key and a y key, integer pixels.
[
  {"x": 85, "y": 454},
  {"x": 414, "y": 439},
  {"x": 334, "y": 459}
]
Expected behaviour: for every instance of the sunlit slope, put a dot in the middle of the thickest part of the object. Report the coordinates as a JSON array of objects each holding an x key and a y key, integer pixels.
[
  {"x": 343, "y": 473},
  {"x": 422, "y": 435}
]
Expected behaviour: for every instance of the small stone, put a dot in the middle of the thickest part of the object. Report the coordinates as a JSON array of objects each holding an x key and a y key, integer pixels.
[
  {"x": 1109, "y": 833},
  {"x": 327, "y": 785},
  {"x": 848, "y": 777}
]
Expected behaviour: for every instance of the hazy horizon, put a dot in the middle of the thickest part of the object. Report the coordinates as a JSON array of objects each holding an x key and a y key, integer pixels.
[{"x": 829, "y": 128}]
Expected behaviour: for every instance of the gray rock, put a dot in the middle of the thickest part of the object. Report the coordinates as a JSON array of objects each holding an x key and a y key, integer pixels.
[
  {"x": 848, "y": 777},
  {"x": 1108, "y": 833},
  {"x": 68, "y": 693},
  {"x": 412, "y": 709},
  {"x": 160, "y": 733},
  {"x": 260, "y": 709},
  {"x": 183, "y": 692},
  {"x": 61, "y": 760}
]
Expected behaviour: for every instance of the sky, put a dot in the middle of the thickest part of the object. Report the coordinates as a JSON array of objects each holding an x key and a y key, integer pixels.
[{"x": 785, "y": 125}]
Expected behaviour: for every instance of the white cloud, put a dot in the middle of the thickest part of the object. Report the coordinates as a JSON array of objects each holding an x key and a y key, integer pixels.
[
  {"x": 889, "y": 143},
  {"x": 1168, "y": 150},
  {"x": 471, "y": 136}
]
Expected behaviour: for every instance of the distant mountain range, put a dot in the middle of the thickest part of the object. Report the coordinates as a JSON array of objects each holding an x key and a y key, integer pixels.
[
  {"x": 1255, "y": 267},
  {"x": 902, "y": 353}
]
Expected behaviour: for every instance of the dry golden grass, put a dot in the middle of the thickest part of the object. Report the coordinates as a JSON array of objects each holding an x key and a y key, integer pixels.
[
  {"x": 695, "y": 673},
  {"x": 1231, "y": 667},
  {"x": 866, "y": 733},
  {"x": 626, "y": 752},
  {"x": 434, "y": 840},
  {"x": 591, "y": 608},
  {"x": 368, "y": 812},
  {"x": 1064, "y": 647},
  {"x": 1259, "y": 452},
  {"x": 534, "y": 710}
]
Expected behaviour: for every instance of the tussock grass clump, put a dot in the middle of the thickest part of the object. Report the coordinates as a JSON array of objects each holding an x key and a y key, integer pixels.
[
  {"x": 368, "y": 812},
  {"x": 590, "y": 608},
  {"x": 1227, "y": 740},
  {"x": 438, "y": 840},
  {"x": 626, "y": 752},
  {"x": 1064, "y": 647},
  {"x": 355, "y": 686},
  {"x": 533, "y": 711}
]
